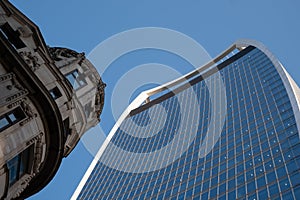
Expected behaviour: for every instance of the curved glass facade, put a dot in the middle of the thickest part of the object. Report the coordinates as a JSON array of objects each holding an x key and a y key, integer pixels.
[{"x": 256, "y": 157}]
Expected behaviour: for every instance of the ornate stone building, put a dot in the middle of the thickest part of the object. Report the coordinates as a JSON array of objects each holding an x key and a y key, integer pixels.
[{"x": 49, "y": 97}]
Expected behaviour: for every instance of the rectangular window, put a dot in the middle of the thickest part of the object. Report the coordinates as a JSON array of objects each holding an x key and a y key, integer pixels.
[
  {"x": 55, "y": 93},
  {"x": 12, "y": 36},
  {"x": 67, "y": 130},
  {"x": 11, "y": 118},
  {"x": 19, "y": 165},
  {"x": 3, "y": 123},
  {"x": 76, "y": 79},
  {"x": 88, "y": 109}
]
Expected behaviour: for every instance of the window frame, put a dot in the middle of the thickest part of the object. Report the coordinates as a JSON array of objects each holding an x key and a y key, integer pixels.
[
  {"x": 18, "y": 114},
  {"x": 12, "y": 36},
  {"x": 21, "y": 163},
  {"x": 78, "y": 80},
  {"x": 55, "y": 93}
]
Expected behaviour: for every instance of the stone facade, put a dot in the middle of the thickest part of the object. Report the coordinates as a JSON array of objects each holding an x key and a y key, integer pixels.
[{"x": 49, "y": 97}]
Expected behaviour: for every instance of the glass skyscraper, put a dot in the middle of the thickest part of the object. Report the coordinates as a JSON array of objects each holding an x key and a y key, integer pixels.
[{"x": 178, "y": 145}]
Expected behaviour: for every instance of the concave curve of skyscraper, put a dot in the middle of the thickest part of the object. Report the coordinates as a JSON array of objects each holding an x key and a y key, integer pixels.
[{"x": 257, "y": 155}]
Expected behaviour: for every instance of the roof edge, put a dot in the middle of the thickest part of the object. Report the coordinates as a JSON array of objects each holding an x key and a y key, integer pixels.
[{"x": 289, "y": 84}]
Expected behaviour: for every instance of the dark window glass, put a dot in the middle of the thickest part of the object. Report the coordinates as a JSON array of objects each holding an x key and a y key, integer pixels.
[
  {"x": 67, "y": 130},
  {"x": 19, "y": 165},
  {"x": 11, "y": 118},
  {"x": 55, "y": 93},
  {"x": 12, "y": 36},
  {"x": 13, "y": 167},
  {"x": 76, "y": 79},
  {"x": 3, "y": 122}
]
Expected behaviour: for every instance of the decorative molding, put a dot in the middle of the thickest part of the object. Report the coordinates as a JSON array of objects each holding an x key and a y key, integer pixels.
[
  {"x": 30, "y": 59},
  {"x": 38, "y": 153},
  {"x": 24, "y": 31},
  {"x": 58, "y": 53},
  {"x": 99, "y": 98},
  {"x": 101, "y": 86},
  {"x": 17, "y": 95},
  {"x": 25, "y": 121},
  {"x": 34, "y": 139},
  {"x": 28, "y": 111},
  {"x": 14, "y": 83},
  {"x": 69, "y": 104},
  {"x": 28, "y": 179},
  {"x": 17, "y": 85},
  {"x": 14, "y": 104},
  {"x": 6, "y": 77},
  {"x": 21, "y": 187}
]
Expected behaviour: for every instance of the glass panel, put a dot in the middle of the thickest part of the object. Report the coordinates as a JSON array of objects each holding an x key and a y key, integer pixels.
[
  {"x": 75, "y": 80},
  {"x": 24, "y": 162},
  {"x": 55, "y": 93},
  {"x": 71, "y": 79},
  {"x": 254, "y": 157},
  {"x": 3, "y": 123},
  {"x": 12, "y": 117},
  {"x": 18, "y": 114},
  {"x": 12, "y": 166},
  {"x": 75, "y": 73},
  {"x": 19, "y": 165},
  {"x": 82, "y": 82}
]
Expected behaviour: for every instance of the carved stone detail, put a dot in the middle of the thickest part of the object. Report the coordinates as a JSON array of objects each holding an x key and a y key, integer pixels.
[
  {"x": 25, "y": 121},
  {"x": 38, "y": 153},
  {"x": 17, "y": 95},
  {"x": 27, "y": 179},
  {"x": 14, "y": 90},
  {"x": 30, "y": 59},
  {"x": 25, "y": 31},
  {"x": 36, "y": 138},
  {"x": 28, "y": 111},
  {"x": 58, "y": 53},
  {"x": 7, "y": 76},
  {"x": 22, "y": 91},
  {"x": 23, "y": 185},
  {"x": 99, "y": 98},
  {"x": 14, "y": 104}
]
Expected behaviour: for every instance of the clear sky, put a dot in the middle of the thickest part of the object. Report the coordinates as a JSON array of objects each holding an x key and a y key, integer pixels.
[{"x": 82, "y": 25}]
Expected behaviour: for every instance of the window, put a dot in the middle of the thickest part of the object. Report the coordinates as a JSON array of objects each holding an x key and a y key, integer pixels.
[
  {"x": 88, "y": 109},
  {"x": 55, "y": 93},
  {"x": 76, "y": 79},
  {"x": 67, "y": 130},
  {"x": 12, "y": 36},
  {"x": 19, "y": 165},
  {"x": 11, "y": 118}
]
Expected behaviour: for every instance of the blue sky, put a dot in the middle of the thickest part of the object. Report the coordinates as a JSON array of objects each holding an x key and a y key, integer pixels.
[{"x": 82, "y": 25}]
